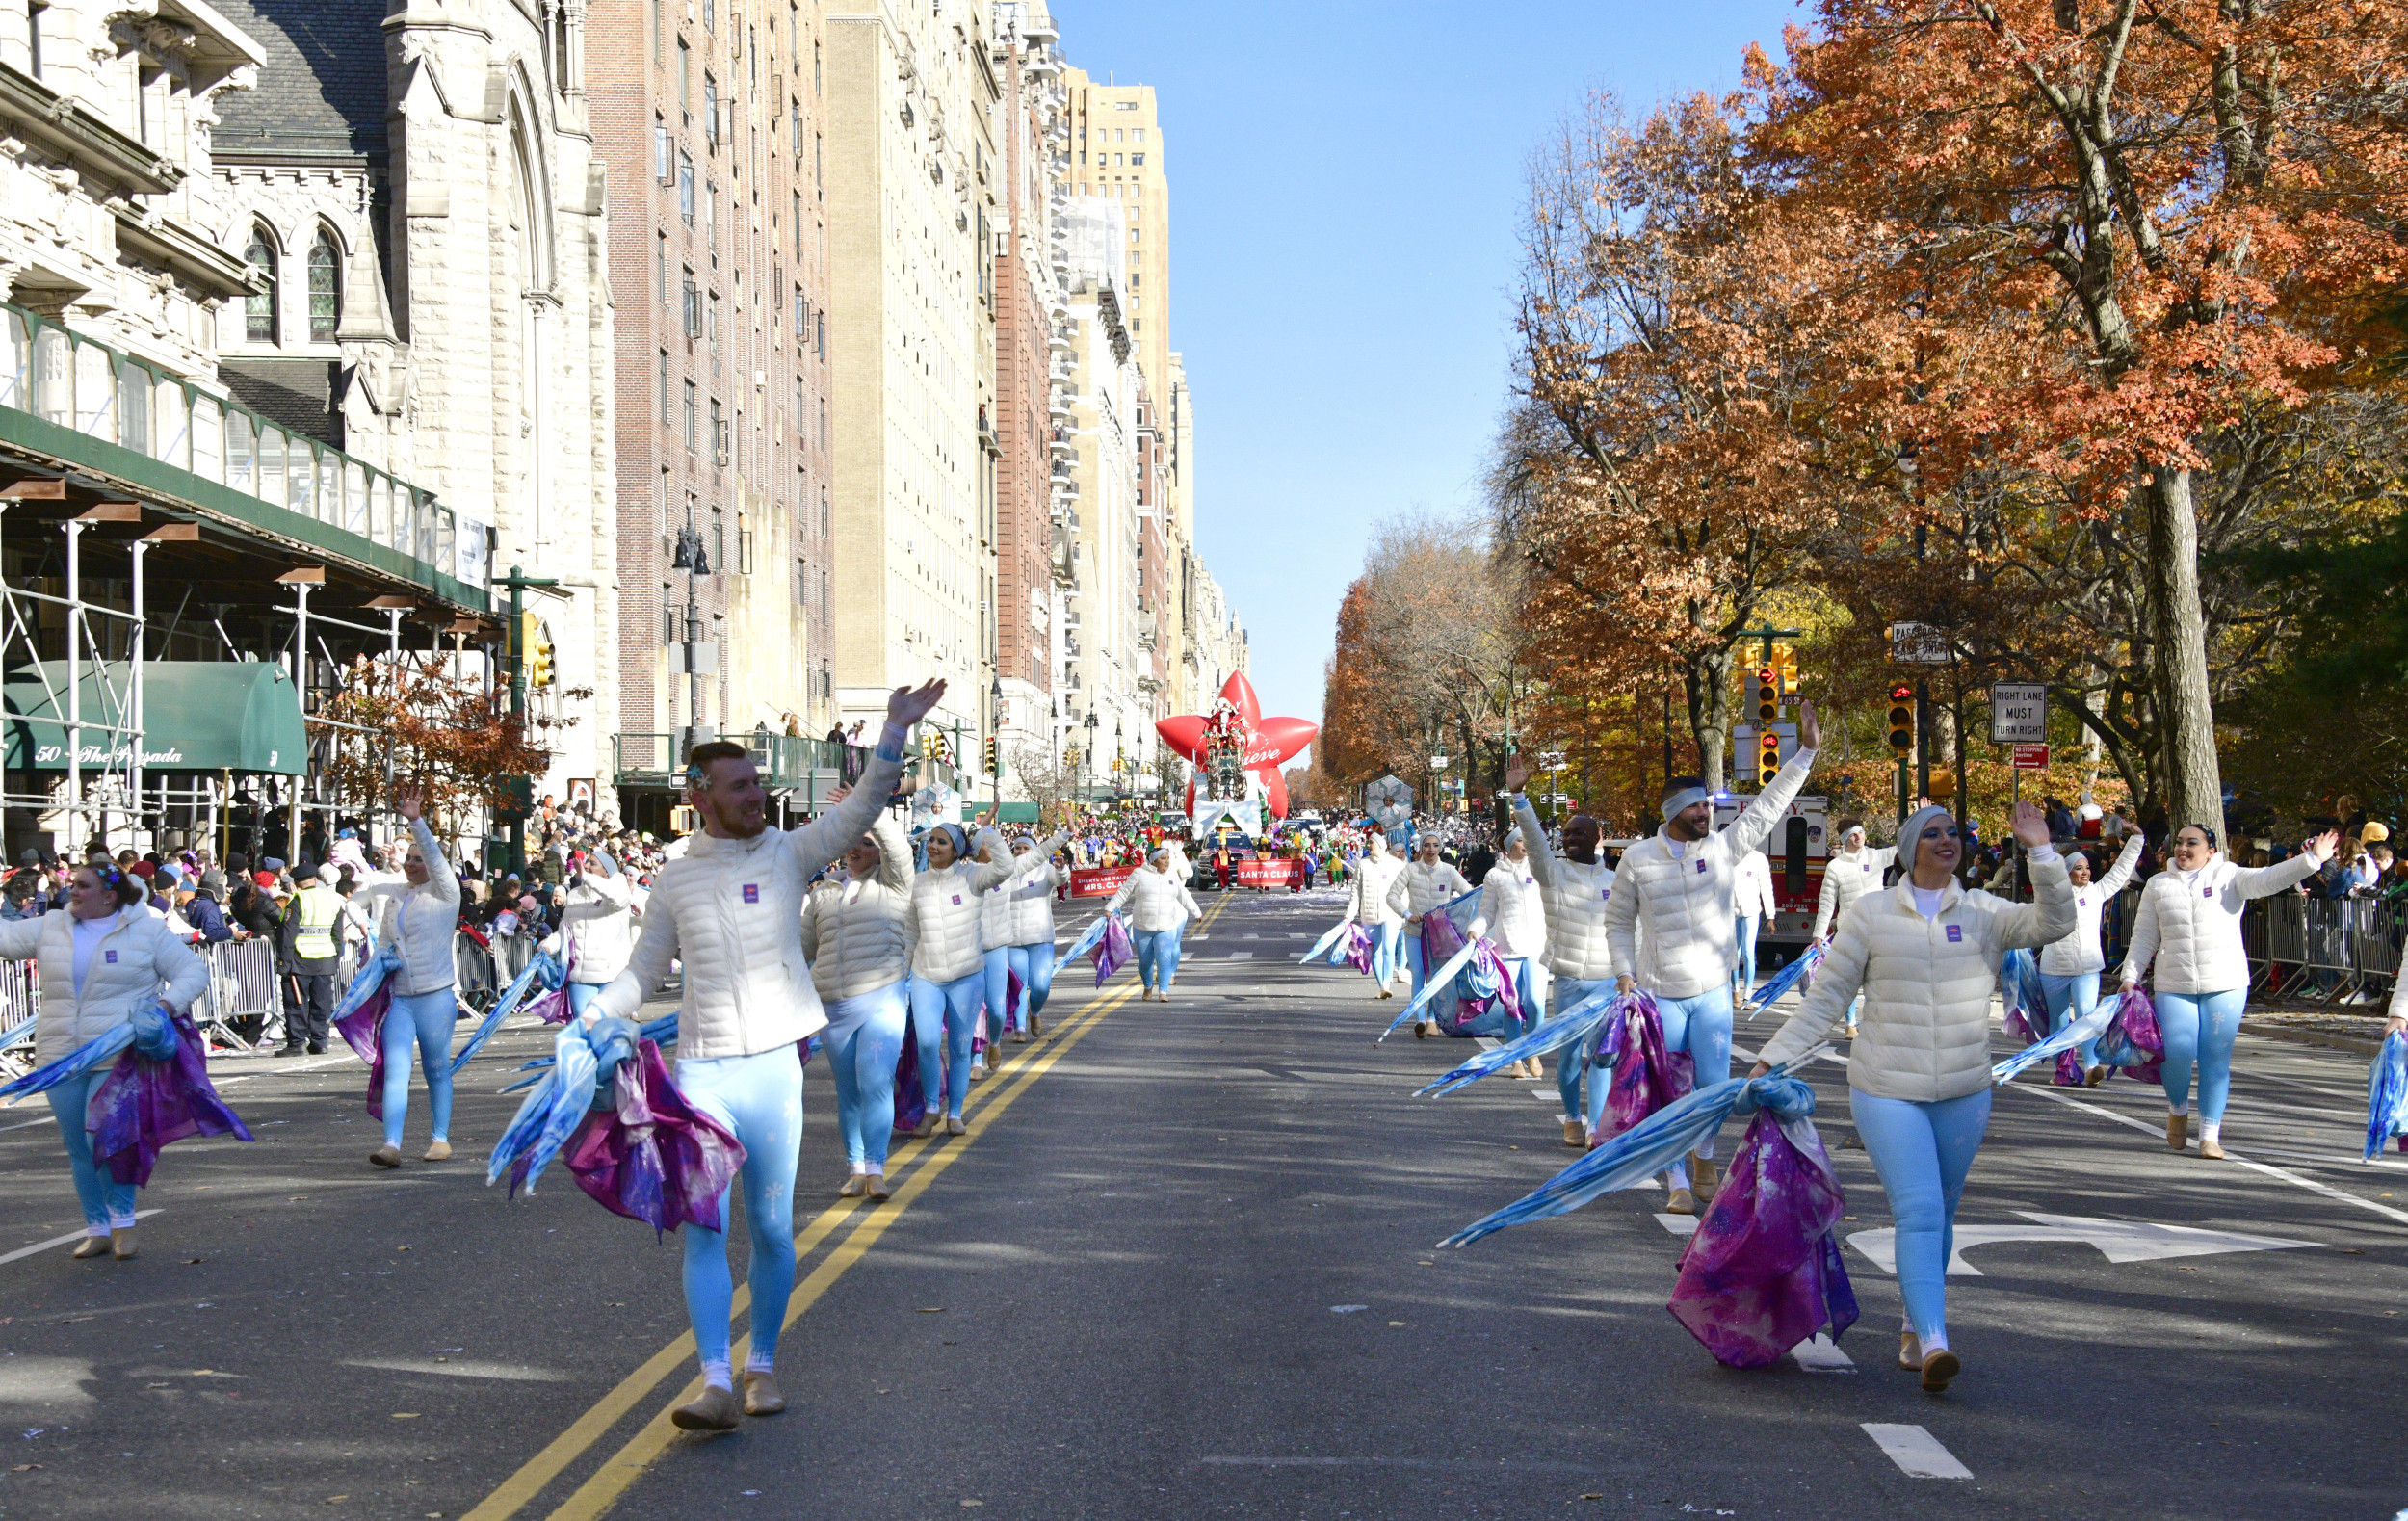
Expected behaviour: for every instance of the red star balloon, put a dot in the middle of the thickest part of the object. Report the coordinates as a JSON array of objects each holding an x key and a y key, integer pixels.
[{"x": 1267, "y": 741}]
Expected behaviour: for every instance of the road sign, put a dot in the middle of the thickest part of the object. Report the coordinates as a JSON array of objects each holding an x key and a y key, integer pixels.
[
  {"x": 2019, "y": 713},
  {"x": 2031, "y": 757},
  {"x": 1919, "y": 645}
]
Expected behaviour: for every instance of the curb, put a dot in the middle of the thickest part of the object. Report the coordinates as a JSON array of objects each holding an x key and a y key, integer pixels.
[{"x": 2311, "y": 1037}]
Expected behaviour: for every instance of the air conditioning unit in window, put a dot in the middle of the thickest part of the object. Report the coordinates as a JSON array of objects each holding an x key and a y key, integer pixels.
[{"x": 718, "y": 456}]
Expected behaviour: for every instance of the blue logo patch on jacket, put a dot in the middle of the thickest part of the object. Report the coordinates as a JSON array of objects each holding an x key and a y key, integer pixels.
[
  {"x": 957, "y": 900},
  {"x": 2207, "y": 892},
  {"x": 1957, "y": 933},
  {"x": 752, "y": 892},
  {"x": 1701, "y": 866},
  {"x": 111, "y": 957}
]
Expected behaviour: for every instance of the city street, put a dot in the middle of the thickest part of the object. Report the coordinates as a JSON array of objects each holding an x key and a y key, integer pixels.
[{"x": 1182, "y": 1265}]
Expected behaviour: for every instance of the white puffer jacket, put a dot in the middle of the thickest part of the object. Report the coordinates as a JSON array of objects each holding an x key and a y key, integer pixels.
[
  {"x": 1683, "y": 892},
  {"x": 1511, "y": 913},
  {"x": 597, "y": 924},
  {"x": 1576, "y": 897},
  {"x": 427, "y": 919},
  {"x": 1021, "y": 911},
  {"x": 853, "y": 931},
  {"x": 2189, "y": 923},
  {"x": 138, "y": 964},
  {"x": 2080, "y": 952},
  {"x": 1154, "y": 902},
  {"x": 943, "y": 923},
  {"x": 1751, "y": 886},
  {"x": 1847, "y": 877},
  {"x": 732, "y": 910},
  {"x": 1924, "y": 1034},
  {"x": 1367, "y": 902},
  {"x": 1420, "y": 888}
]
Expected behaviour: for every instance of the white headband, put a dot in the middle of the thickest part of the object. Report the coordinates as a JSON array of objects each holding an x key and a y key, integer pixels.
[{"x": 1682, "y": 802}]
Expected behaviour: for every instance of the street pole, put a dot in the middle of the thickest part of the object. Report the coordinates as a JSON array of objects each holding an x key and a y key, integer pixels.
[{"x": 519, "y": 584}]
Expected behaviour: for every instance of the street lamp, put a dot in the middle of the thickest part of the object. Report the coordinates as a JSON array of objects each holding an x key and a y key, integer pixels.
[
  {"x": 995, "y": 690},
  {"x": 1090, "y": 756}
]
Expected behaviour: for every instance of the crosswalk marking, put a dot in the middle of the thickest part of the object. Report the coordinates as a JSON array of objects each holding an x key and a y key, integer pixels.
[
  {"x": 1822, "y": 1354},
  {"x": 1917, "y": 1453},
  {"x": 1241, "y": 956}
]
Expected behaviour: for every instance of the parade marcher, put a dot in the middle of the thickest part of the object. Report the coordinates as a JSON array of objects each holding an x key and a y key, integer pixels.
[
  {"x": 2189, "y": 927},
  {"x": 597, "y": 929},
  {"x": 1159, "y": 907},
  {"x": 418, "y": 916},
  {"x": 1751, "y": 900},
  {"x": 855, "y": 937},
  {"x": 309, "y": 953},
  {"x": 1926, "y": 954},
  {"x": 731, "y": 909},
  {"x": 1576, "y": 890},
  {"x": 102, "y": 962},
  {"x": 1367, "y": 905},
  {"x": 949, "y": 963},
  {"x": 995, "y": 936},
  {"x": 1678, "y": 883},
  {"x": 2070, "y": 967},
  {"x": 1847, "y": 875},
  {"x": 1426, "y": 884},
  {"x": 1020, "y": 924},
  {"x": 1512, "y": 917}
]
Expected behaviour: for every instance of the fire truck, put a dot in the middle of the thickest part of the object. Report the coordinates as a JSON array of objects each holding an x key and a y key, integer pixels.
[{"x": 1795, "y": 852}]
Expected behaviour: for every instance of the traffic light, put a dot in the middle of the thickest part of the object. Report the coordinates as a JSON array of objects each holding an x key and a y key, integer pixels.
[
  {"x": 1767, "y": 759},
  {"x": 538, "y": 645},
  {"x": 1902, "y": 720},
  {"x": 927, "y": 744},
  {"x": 994, "y": 756},
  {"x": 1768, "y": 698},
  {"x": 1785, "y": 660}
]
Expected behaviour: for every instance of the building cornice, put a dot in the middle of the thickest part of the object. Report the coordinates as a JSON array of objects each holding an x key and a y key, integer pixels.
[{"x": 64, "y": 128}]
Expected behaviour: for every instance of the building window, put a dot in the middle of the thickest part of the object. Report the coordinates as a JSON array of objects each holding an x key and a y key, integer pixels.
[
  {"x": 822, "y": 424},
  {"x": 693, "y": 314},
  {"x": 802, "y": 583},
  {"x": 719, "y": 437},
  {"x": 666, "y": 418},
  {"x": 684, "y": 188},
  {"x": 710, "y": 15},
  {"x": 821, "y": 325},
  {"x": 663, "y": 160},
  {"x": 660, "y": 261},
  {"x": 656, "y": 33},
  {"x": 669, "y": 616},
  {"x": 710, "y": 109},
  {"x": 802, "y": 316},
  {"x": 825, "y": 531},
  {"x": 711, "y": 325},
  {"x": 326, "y": 289},
  {"x": 744, "y": 547},
  {"x": 259, "y": 308},
  {"x": 690, "y": 417},
  {"x": 684, "y": 80}
]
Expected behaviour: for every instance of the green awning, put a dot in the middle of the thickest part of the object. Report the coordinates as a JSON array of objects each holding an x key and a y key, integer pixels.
[{"x": 196, "y": 716}]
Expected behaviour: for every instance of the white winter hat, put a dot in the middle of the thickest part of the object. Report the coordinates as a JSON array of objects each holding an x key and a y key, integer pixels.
[{"x": 1910, "y": 834}]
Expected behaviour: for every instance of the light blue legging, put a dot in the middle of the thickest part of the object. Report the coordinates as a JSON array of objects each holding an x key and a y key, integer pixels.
[
  {"x": 420, "y": 1023},
  {"x": 995, "y": 988},
  {"x": 2069, "y": 999},
  {"x": 1035, "y": 962},
  {"x": 2201, "y": 1028},
  {"x": 942, "y": 1014},
  {"x": 759, "y": 1098},
  {"x": 1530, "y": 987},
  {"x": 107, "y": 1203},
  {"x": 1387, "y": 951},
  {"x": 1572, "y": 1061},
  {"x": 1744, "y": 927},
  {"x": 864, "y": 1041},
  {"x": 1700, "y": 1026},
  {"x": 580, "y": 997},
  {"x": 1158, "y": 957},
  {"x": 1922, "y": 1152}
]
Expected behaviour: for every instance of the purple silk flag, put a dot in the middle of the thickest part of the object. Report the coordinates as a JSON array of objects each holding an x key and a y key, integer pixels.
[
  {"x": 652, "y": 1157},
  {"x": 144, "y": 1105},
  {"x": 1646, "y": 1078},
  {"x": 1762, "y": 1272}
]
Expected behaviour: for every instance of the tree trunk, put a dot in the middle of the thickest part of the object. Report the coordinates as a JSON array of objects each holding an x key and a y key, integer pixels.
[
  {"x": 1707, "y": 675},
  {"x": 2193, "y": 780}
]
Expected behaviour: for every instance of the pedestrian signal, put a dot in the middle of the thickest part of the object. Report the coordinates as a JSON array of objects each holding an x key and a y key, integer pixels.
[
  {"x": 1768, "y": 760},
  {"x": 1902, "y": 720}
]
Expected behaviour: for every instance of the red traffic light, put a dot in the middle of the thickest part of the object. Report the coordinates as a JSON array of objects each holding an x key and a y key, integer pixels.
[{"x": 1901, "y": 693}]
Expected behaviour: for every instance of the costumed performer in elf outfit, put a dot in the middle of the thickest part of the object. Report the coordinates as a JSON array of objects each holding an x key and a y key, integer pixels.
[
  {"x": 1926, "y": 954},
  {"x": 731, "y": 909},
  {"x": 418, "y": 917},
  {"x": 1678, "y": 883},
  {"x": 1576, "y": 889},
  {"x": 101, "y": 961},
  {"x": 1426, "y": 884}
]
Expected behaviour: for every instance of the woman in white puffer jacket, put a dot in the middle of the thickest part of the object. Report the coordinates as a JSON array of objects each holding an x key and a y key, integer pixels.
[
  {"x": 2189, "y": 928},
  {"x": 1513, "y": 916},
  {"x": 1926, "y": 954},
  {"x": 99, "y": 961},
  {"x": 949, "y": 963},
  {"x": 1016, "y": 923},
  {"x": 854, "y": 933},
  {"x": 2070, "y": 968},
  {"x": 1159, "y": 907},
  {"x": 597, "y": 929},
  {"x": 419, "y": 916}
]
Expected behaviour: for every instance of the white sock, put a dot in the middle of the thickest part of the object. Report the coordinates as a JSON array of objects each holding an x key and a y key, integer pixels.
[
  {"x": 2182, "y": 1113},
  {"x": 860, "y": 1167},
  {"x": 754, "y": 1362},
  {"x": 123, "y": 1221},
  {"x": 101, "y": 1231},
  {"x": 1705, "y": 1151},
  {"x": 1936, "y": 1342},
  {"x": 2212, "y": 1130},
  {"x": 1677, "y": 1174},
  {"x": 716, "y": 1376}
]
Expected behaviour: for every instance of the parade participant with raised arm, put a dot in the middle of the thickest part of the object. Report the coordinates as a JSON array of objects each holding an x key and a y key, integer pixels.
[
  {"x": 1159, "y": 907},
  {"x": 949, "y": 961},
  {"x": 1576, "y": 889},
  {"x": 1020, "y": 924},
  {"x": 1514, "y": 917},
  {"x": 1367, "y": 905},
  {"x": 1926, "y": 954},
  {"x": 2070, "y": 968},
  {"x": 1425, "y": 884},
  {"x": 1678, "y": 883},
  {"x": 2189, "y": 928},
  {"x": 597, "y": 929},
  {"x": 731, "y": 909},
  {"x": 854, "y": 933},
  {"x": 102, "y": 961},
  {"x": 418, "y": 916},
  {"x": 1848, "y": 873}
]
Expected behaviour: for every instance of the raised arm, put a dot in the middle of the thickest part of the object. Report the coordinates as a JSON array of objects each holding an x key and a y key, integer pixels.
[
  {"x": 441, "y": 880},
  {"x": 648, "y": 968},
  {"x": 1039, "y": 859},
  {"x": 2127, "y": 864},
  {"x": 2264, "y": 882},
  {"x": 1535, "y": 836},
  {"x": 2050, "y": 916},
  {"x": 833, "y": 833},
  {"x": 894, "y": 853}
]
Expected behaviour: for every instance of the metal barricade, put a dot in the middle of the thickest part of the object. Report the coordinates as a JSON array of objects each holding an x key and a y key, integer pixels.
[
  {"x": 473, "y": 970},
  {"x": 2374, "y": 945},
  {"x": 242, "y": 985},
  {"x": 20, "y": 1001}
]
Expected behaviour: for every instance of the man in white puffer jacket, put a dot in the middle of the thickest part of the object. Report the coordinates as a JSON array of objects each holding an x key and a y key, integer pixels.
[
  {"x": 1367, "y": 905},
  {"x": 1576, "y": 888},
  {"x": 1426, "y": 884},
  {"x": 731, "y": 907},
  {"x": 1679, "y": 881}
]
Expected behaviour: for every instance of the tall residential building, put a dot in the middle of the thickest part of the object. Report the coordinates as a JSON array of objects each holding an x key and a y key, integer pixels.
[
  {"x": 711, "y": 117},
  {"x": 1116, "y": 154},
  {"x": 1031, "y": 425},
  {"x": 912, "y": 275}
]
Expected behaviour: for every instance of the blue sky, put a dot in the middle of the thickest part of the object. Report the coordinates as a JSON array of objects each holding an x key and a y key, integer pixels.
[{"x": 1343, "y": 185}]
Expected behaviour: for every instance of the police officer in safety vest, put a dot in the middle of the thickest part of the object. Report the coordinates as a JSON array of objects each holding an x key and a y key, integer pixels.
[{"x": 310, "y": 951}]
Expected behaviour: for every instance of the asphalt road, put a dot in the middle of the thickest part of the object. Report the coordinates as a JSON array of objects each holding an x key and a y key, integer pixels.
[{"x": 1181, "y": 1266}]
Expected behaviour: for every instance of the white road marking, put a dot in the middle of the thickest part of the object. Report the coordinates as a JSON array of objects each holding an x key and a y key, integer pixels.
[
  {"x": 515, "y": 1372},
  {"x": 61, "y": 1240},
  {"x": 2117, "y": 1240},
  {"x": 1250, "y": 937},
  {"x": 1917, "y": 1453},
  {"x": 2233, "y": 1157},
  {"x": 26, "y": 1125},
  {"x": 1545, "y": 1095},
  {"x": 1821, "y": 1355},
  {"x": 1241, "y": 956},
  {"x": 1486, "y": 1042},
  {"x": 1679, "y": 1225}
]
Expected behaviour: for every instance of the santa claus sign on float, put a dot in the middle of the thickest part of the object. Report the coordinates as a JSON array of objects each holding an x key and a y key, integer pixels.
[{"x": 1235, "y": 744}]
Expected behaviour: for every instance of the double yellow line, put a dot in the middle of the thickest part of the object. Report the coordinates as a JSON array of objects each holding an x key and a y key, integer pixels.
[{"x": 867, "y": 1223}]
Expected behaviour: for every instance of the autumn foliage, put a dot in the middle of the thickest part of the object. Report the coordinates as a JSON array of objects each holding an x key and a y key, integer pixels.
[{"x": 412, "y": 723}]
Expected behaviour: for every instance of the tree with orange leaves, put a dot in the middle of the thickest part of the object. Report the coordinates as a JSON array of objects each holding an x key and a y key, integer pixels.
[{"x": 2094, "y": 234}]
